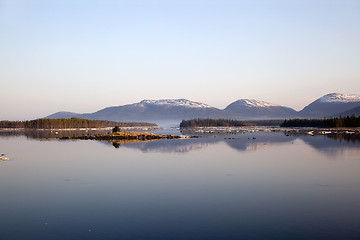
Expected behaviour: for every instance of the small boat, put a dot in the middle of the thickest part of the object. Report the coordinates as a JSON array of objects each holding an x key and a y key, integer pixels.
[{"x": 2, "y": 158}]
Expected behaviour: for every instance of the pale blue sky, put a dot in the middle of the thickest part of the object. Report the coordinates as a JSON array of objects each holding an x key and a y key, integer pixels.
[{"x": 82, "y": 56}]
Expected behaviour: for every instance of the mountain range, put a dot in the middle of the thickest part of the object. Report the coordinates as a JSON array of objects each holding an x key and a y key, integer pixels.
[{"x": 333, "y": 104}]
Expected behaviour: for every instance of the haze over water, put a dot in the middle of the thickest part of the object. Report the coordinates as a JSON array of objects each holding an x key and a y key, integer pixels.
[{"x": 255, "y": 186}]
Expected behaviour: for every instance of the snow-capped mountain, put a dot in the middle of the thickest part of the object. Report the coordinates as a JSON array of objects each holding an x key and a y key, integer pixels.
[
  {"x": 153, "y": 110},
  {"x": 254, "y": 103},
  {"x": 331, "y": 104},
  {"x": 255, "y": 109},
  {"x": 176, "y": 102},
  {"x": 339, "y": 98},
  {"x": 175, "y": 110}
]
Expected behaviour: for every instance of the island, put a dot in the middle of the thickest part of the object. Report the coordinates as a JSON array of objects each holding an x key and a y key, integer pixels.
[
  {"x": 208, "y": 122},
  {"x": 339, "y": 122},
  {"x": 124, "y": 135},
  {"x": 70, "y": 123}
]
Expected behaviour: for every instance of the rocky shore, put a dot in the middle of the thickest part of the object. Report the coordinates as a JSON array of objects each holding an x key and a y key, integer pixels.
[{"x": 122, "y": 135}]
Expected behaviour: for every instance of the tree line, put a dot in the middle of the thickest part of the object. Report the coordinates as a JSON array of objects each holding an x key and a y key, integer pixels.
[
  {"x": 324, "y": 123},
  {"x": 62, "y": 123},
  {"x": 207, "y": 122},
  {"x": 349, "y": 121}
]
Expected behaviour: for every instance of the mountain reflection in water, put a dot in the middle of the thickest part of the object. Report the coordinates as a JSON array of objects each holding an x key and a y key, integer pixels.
[
  {"x": 252, "y": 185},
  {"x": 167, "y": 145},
  {"x": 246, "y": 141},
  {"x": 50, "y": 134}
]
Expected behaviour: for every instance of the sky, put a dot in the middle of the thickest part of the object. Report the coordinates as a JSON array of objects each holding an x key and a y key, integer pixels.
[{"x": 82, "y": 56}]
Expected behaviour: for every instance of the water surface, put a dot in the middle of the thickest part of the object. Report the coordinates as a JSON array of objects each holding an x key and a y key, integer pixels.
[{"x": 247, "y": 186}]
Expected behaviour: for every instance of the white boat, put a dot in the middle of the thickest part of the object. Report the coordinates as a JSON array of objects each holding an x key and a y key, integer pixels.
[{"x": 2, "y": 158}]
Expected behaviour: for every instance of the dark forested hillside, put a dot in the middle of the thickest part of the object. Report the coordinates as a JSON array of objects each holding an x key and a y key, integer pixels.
[
  {"x": 324, "y": 123},
  {"x": 69, "y": 123},
  {"x": 207, "y": 122}
]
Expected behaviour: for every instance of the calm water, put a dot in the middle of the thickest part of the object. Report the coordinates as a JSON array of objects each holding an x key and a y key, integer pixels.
[{"x": 271, "y": 187}]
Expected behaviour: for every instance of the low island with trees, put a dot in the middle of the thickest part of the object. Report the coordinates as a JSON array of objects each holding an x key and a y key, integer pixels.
[
  {"x": 73, "y": 123},
  {"x": 118, "y": 137},
  {"x": 338, "y": 122},
  {"x": 116, "y": 134},
  {"x": 208, "y": 122}
]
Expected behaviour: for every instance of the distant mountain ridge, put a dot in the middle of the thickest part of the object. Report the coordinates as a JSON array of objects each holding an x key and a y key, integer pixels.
[
  {"x": 151, "y": 110},
  {"x": 63, "y": 114},
  {"x": 176, "y": 102},
  {"x": 252, "y": 103},
  {"x": 242, "y": 109},
  {"x": 338, "y": 97},
  {"x": 259, "y": 109},
  {"x": 354, "y": 111},
  {"x": 330, "y": 104}
]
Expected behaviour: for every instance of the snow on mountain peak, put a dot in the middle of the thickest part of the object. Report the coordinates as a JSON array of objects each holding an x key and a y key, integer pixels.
[
  {"x": 338, "y": 97},
  {"x": 255, "y": 103},
  {"x": 176, "y": 102}
]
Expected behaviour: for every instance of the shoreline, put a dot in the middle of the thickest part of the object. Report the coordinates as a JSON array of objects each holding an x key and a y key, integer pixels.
[
  {"x": 250, "y": 129},
  {"x": 142, "y": 128},
  {"x": 123, "y": 135}
]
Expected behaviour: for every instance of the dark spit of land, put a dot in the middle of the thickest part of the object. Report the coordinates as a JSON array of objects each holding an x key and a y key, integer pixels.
[
  {"x": 123, "y": 135},
  {"x": 63, "y": 123}
]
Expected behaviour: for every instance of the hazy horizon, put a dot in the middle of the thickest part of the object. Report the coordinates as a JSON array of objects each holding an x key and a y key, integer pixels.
[{"x": 82, "y": 56}]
